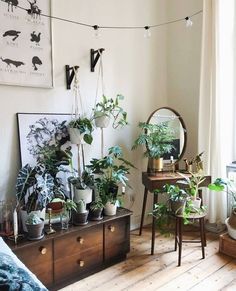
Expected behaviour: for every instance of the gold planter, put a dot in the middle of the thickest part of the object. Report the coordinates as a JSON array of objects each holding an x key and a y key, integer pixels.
[{"x": 154, "y": 166}]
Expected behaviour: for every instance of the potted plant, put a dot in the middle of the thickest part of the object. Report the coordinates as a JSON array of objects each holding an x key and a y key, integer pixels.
[
  {"x": 157, "y": 138},
  {"x": 35, "y": 226},
  {"x": 34, "y": 190},
  {"x": 107, "y": 109},
  {"x": 177, "y": 198},
  {"x": 68, "y": 206},
  {"x": 80, "y": 215},
  {"x": 112, "y": 170},
  {"x": 228, "y": 186},
  {"x": 96, "y": 208},
  {"x": 81, "y": 187},
  {"x": 80, "y": 130}
]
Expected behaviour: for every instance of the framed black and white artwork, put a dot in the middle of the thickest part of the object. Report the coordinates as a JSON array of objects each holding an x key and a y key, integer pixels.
[
  {"x": 26, "y": 43},
  {"x": 38, "y": 131}
]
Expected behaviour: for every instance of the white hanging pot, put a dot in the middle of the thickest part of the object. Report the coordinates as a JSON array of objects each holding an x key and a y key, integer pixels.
[
  {"x": 110, "y": 208},
  {"x": 24, "y": 215},
  {"x": 102, "y": 121},
  {"x": 75, "y": 136},
  {"x": 83, "y": 194}
]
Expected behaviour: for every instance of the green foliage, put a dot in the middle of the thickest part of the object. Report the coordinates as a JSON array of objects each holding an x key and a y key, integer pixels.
[
  {"x": 83, "y": 181},
  {"x": 96, "y": 204},
  {"x": 81, "y": 206},
  {"x": 37, "y": 185},
  {"x": 34, "y": 219},
  {"x": 224, "y": 185},
  {"x": 111, "y": 108},
  {"x": 113, "y": 170},
  {"x": 85, "y": 126},
  {"x": 175, "y": 193},
  {"x": 157, "y": 138}
]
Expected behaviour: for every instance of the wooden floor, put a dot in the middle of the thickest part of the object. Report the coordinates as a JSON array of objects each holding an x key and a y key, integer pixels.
[{"x": 141, "y": 271}]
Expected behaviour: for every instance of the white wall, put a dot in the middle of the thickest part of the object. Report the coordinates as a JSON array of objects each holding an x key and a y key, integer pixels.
[
  {"x": 133, "y": 66},
  {"x": 183, "y": 66}
]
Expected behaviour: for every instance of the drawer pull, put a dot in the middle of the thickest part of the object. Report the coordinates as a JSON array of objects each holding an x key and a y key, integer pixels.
[
  {"x": 43, "y": 250},
  {"x": 81, "y": 263},
  {"x": 80, "y": 240},
  {"x": 111, "y": 228}
]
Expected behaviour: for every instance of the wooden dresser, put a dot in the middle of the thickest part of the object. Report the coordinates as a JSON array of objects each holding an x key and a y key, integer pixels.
[{"x": 70, "y": 255}]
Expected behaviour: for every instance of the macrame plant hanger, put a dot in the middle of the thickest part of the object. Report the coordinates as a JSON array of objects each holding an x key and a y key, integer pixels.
[
  {"x": 76, "y": 114},
  {"x": 100, "y": 76}
]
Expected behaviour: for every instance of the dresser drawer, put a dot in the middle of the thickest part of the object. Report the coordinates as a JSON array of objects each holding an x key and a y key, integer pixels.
[
  {"x": 38, "y": 258},
  {"x": 78, "y": 242},
  {"x": 78, "y": 264},
  {"x": 116, "y": 238}
]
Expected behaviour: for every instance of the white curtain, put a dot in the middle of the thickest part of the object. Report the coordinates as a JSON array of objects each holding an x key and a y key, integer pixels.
[{"x": 217, "y": 104}]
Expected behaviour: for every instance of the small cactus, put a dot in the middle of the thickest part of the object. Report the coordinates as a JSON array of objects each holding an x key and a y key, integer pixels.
[{"x": 81, "y": 206}]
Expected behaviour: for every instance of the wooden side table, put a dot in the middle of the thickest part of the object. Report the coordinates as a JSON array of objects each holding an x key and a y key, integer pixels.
[{"x": 157, "y": 182}]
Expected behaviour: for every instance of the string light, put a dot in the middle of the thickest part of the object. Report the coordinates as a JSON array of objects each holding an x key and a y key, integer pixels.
[
  {"x": 147, "y": 33},
  {"x": 189, "y": 22},
  {"x": 97, "y": 33},
  {"x": 97, "y": 28}
]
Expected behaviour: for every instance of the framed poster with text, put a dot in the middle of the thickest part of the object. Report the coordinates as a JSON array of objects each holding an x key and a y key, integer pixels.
[{"x": 26, "y": 43}]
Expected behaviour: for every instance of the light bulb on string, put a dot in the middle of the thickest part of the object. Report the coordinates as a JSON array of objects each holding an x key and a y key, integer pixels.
[
  {"x": 189, "y": 22},
  {"x": 147, "y": 33},
  {"x": 97, "y": 33}
]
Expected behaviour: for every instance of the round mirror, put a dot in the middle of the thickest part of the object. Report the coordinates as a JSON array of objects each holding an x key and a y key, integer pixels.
[{"x": 176, "y": 124}]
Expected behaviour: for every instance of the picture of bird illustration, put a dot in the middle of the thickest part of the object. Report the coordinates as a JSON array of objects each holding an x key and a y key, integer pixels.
[
  {"x": 36, "y": 61},
  {"x": 35, "y": 37},
  {"x": 12, "y": 33},
  {"x": 10, "y": 62}
]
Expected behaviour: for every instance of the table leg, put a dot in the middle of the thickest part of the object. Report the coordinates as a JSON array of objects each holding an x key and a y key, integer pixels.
[
  {"x": 143, "y": 210},
  {"x": 155, "y": 198}
]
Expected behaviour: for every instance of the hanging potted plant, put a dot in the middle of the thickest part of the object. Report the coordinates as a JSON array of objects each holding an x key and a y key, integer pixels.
[
  {"x": 109, "y": 109},
  {"x": 80, "y": 130},
  {"x": 157, "y": 139}
]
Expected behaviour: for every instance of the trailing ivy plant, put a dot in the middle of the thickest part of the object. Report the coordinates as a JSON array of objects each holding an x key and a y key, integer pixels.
[{"x": 85, "y": 126}]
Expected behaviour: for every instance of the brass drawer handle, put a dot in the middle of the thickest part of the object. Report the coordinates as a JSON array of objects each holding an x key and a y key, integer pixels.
[
  {"x": 111, "y": 228},
  {"x": 80, "y": 240},
  {"x": 43, "y": 250},
  {"x": 81, "y": 263}
]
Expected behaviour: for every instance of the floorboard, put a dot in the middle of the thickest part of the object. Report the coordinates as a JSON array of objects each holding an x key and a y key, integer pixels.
[{"x": 141, "y": 271}]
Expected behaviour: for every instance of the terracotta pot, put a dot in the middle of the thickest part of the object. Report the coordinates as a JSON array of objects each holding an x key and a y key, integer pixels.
[{"x": 154, "y": 166}]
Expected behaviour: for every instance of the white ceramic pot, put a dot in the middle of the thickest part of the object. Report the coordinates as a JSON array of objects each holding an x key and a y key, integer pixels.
[
  {"x": 196, "y": 203},
  {"x": 75, "y": 136},
  {"x": 231, "y": 230},
  {"x": 83, "y": 194},
  {"x": 24, "y": 215},
  {"x": 110, "y": 209},
  {"x": 102, "y": 121}
]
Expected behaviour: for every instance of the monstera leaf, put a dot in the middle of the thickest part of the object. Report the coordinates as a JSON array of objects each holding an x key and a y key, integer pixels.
[{"x": 25, "y": 180}]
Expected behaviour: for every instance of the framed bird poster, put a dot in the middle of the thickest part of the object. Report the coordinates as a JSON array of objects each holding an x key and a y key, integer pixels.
[{"x": 26, "y": 43}]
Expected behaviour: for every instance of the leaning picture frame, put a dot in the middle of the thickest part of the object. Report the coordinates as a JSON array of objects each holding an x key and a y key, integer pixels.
[{"x": 26, "y": 43}]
